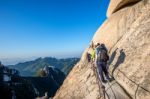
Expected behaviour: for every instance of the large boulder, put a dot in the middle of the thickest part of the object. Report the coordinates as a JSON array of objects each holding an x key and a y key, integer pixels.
[
  {"x": 126, "y": 34},
  {"x": 115, "y": 5},
  {"x": 120, "y": 23},
  {"x": 129, "y": 31},
  {"x": 80, "y": 83}
]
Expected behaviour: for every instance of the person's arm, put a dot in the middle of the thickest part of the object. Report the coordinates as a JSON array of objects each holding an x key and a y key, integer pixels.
[{"x": 95, "y": 57}]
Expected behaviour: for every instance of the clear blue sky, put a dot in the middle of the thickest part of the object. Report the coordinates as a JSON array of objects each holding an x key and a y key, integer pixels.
[{"x": 48, "y": 27}]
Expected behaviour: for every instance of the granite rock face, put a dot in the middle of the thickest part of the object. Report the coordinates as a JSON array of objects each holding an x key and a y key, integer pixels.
[
  {"x": 115, "y": 5},
  {"x": 126, "y": 34}
]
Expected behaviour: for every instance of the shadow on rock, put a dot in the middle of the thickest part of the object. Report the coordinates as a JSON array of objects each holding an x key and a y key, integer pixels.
[
  {"x": 112, "y": 57},
  {"x": 120, "y": 60}
]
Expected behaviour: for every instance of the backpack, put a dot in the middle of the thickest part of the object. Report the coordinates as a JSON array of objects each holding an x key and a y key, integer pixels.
[{"x": 102, "y": 55}]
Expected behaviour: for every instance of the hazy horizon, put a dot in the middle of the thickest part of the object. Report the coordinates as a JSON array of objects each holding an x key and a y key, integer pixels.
[{"x": 13, "y": 61}]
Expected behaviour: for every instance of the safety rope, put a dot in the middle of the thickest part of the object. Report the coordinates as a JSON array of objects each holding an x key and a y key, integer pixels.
[
  {"x": 100, "y": 85},
  {"x": 133, "y": 81},
  {"x": 112, "y": 90},
  {"x": 102, "y": 91},
  {"x": 138, "y": 85}
]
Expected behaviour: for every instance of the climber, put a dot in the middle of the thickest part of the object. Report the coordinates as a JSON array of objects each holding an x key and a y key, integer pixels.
[
  {"x": 101, "y": 61},
  {"x": 91, "y": 53},
  {"x": 88, "y": 56}
]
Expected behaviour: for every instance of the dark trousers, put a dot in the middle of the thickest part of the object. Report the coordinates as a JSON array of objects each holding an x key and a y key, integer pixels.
[{"x": 102, "y": 70}]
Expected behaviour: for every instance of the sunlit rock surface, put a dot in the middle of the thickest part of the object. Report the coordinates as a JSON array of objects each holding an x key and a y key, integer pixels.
[{"x": 126, "y": 34}]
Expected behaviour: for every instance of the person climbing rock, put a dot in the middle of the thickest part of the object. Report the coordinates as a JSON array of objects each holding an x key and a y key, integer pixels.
[
  {"x": 91, "y": 53},
  {"x": 101, "y": 61},
  {"x": 88, "y": 56}
]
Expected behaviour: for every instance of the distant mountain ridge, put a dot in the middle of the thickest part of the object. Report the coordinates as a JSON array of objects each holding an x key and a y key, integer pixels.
[{"x": 30, "y": 68}]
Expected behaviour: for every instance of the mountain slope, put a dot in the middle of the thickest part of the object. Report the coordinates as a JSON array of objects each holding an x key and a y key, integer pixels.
[
  {"x": 29, "y": 87},
  {"x": 31, "y": 67},
  {"x": 50, "y": 83},
  {"x": 126, "y": 34}
]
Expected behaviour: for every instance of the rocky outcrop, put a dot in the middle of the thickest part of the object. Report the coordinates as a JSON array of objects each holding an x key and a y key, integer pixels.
[
  {"x": 115, "y": 5},
  {"x": 81, "y": 83},
  {"x": 129, "y": 30},
  {"x": 126, "y": 34},
  {"x": 50, "y": 83},
  {"x": 12, "y": 84}
]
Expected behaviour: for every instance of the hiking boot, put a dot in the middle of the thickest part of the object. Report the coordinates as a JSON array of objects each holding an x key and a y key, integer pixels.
[
  {"x": 104, "y": 81},
  {"x": 110, "y": 79},
  {"x": 103, "y": 87}
]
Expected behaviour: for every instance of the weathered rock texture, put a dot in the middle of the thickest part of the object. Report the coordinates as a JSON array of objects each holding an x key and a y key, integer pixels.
[
  {"x": 126, "y": 34},
  {"x": 81, "y": 83},
  {"x": 115, "y": 5}
]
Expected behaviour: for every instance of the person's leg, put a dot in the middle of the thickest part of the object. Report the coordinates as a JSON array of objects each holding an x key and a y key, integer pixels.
[
  {"x": 100, "y": 71},
  {"x": 105, "y": 71}
]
